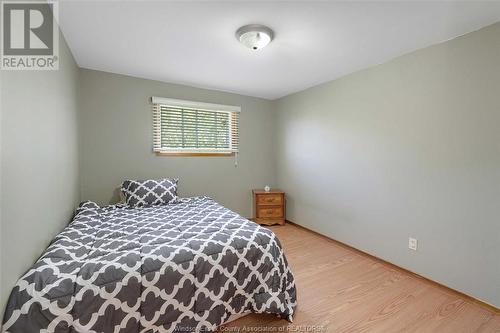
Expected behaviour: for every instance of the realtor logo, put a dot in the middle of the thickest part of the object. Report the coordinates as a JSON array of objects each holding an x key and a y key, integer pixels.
[{"x": 30, "y": 36}]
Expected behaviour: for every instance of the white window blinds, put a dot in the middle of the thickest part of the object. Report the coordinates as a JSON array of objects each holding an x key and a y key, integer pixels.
[{"x": 192, "y": 127}]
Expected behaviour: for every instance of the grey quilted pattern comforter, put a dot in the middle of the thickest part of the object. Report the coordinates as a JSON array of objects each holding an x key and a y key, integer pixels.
[{"x": 182, "y": 267}]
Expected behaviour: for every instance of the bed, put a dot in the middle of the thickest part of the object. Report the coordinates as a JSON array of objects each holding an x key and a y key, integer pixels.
[{"x": 187, "y": 266}]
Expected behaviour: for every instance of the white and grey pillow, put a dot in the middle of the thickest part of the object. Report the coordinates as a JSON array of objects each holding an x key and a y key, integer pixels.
[
  {"x": 85, "y": 206},
  {"x": 150, "y": 192}
]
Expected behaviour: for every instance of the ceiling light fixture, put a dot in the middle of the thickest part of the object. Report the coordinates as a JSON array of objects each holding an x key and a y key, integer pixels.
[{"x": 254, "y": 36}]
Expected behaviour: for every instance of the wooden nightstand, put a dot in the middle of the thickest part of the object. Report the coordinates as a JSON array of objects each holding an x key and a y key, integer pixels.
[{"x": 269, "y": 207}]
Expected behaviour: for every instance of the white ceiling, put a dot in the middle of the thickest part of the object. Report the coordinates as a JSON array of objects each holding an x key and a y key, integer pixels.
[{"x": 193, "y": 43}]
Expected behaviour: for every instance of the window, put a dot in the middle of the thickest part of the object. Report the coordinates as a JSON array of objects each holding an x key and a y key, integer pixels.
[{"x": 193, "y": 128}]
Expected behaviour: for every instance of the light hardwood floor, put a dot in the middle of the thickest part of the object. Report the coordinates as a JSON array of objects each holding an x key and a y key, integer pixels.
[{"x": 342, "y": 290}]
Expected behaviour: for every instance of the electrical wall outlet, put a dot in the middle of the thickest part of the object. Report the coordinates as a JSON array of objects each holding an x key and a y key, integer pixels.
[{"x": 412, "y": 244}]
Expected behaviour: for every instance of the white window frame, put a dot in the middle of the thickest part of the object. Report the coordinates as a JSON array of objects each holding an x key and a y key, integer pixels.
[{"x": 159, "y": 102}]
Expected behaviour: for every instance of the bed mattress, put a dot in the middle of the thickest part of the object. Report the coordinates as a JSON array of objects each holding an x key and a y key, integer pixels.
[{"x": 182, "y": 267}]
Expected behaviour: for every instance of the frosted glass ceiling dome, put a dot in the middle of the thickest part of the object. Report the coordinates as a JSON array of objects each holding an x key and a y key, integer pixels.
[{"x": 254, "y": 36}]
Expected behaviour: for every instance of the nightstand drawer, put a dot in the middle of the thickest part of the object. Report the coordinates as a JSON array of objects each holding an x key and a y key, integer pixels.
[
  {"x": 269, "y": 211},
  {"x": 269, "y": 199}
]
